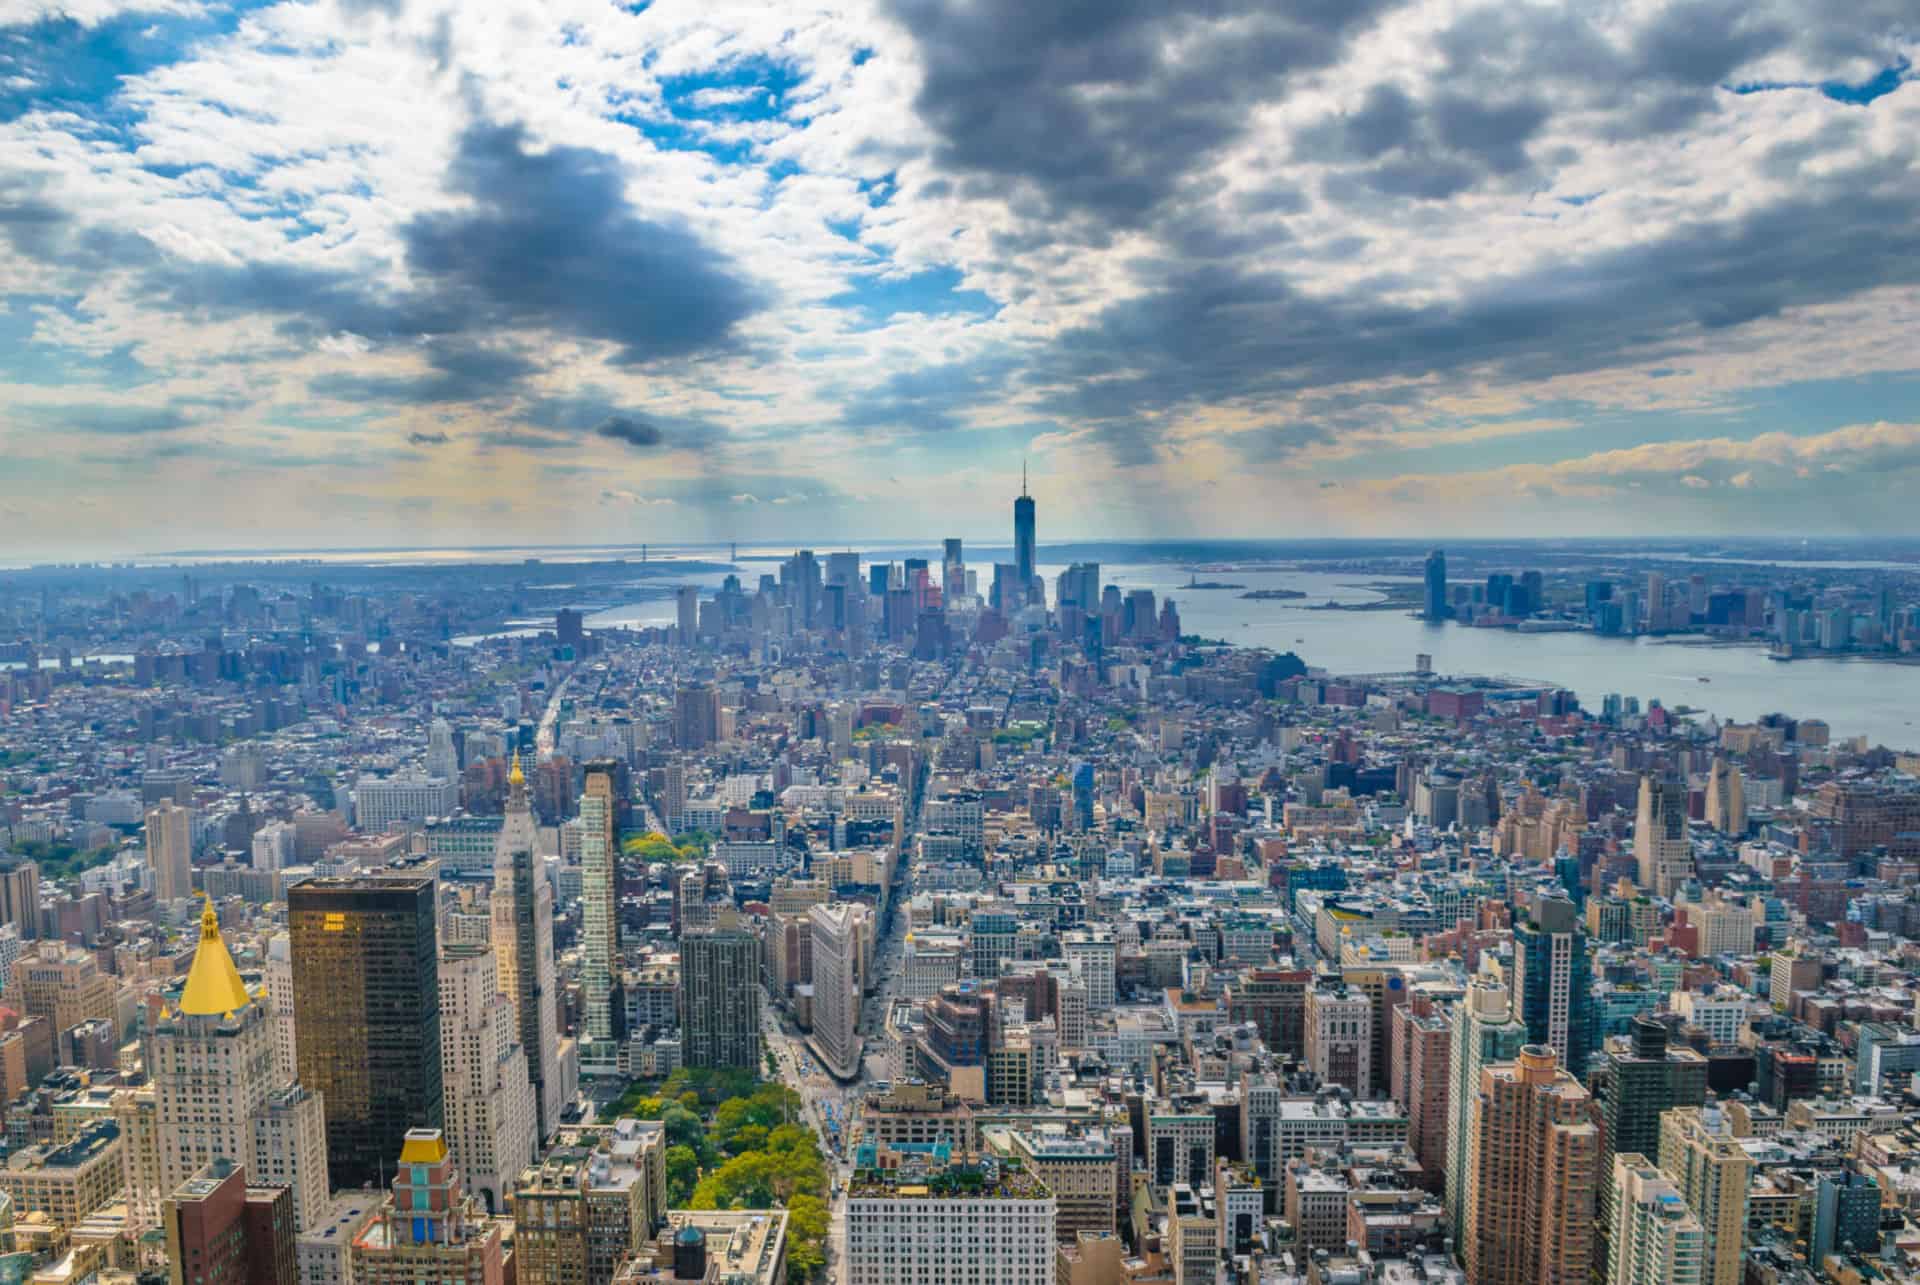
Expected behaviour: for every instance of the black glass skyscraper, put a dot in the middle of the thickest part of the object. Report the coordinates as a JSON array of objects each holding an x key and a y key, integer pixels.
[
  {"x": 1023, "y": 535},
  {"x": 366, "y": 1002}
]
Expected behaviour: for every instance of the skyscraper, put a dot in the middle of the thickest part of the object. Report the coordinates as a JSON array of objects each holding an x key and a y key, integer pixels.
[
  {"x": 290, "y": 1150},
  {"x": 720, "y": 988},
  {"x": 1553, "y": 980},
  {"x": 696, "y": 716},
  {"x": 212, "y": 1065},
  {"x": 170, "y": 851},
  {"x": 523, "y": 948},
  {"x": 599, "y": 926},
  {"x": 836, "y": 931},
  {"x": 1023, "y": 549},
  {"x": 1660, "y": 844},
  {"x": 1726, "y": 808},
  {"x": 1532, "y": 1168},
  {"x": 1634, "y": 1079},
  {"x": 1485, "y": 1031},
  {"x": 687, "y": 614},
  {"x": 1656, "y": 1239},
  {"x": 953, "y": 572},
  {"x": 1712, "y": 1170},
  {"x": 442, "y": 761},
  {"x": 1846, "y": 1215},
  {"x": 1339, "y": 1029},
  {"x": 491, "y": 1116},
  {"x": 1436, "y": 606},
  {"x": 366, "y": 981}
]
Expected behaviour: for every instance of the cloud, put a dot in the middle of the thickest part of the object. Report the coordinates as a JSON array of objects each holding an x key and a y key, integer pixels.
[
  {"x": 1204, "y": 244},
  {"x": 929, "y": 398},
  {"x": 634, "y": 432},
  {"x": 1102, "y": 110},
  {"x": 105, "y": 418},
  {"x": 458, "y": 371},
  {"x": 1860, "y": 477},
  {"x": 550, "y": 241},
  {"x": 521, "y": 440},
  {"x": 1243, "y": 335},
  {"x": 637, "y": 500}
]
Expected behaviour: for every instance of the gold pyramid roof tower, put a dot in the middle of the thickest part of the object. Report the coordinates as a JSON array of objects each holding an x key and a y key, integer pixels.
[
  {"x": 214, "y": 988},
  {"x": 516, "y": 777}
]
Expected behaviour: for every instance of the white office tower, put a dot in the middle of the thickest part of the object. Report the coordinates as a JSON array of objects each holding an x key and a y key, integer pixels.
[
  {"x": 212, "y": 1065},
  {"x": 286, "y": 1060},
  {"x": 523, "y": 948},
  {"x": 490, "y": 1110},
  {"x": 442, "y": 761},
  {"x": 1092, "y": 950},
  {"x": 982, "y": 1225},
  {"x": 290, "y": 1150},
  {"x": 273, "y": 846}
]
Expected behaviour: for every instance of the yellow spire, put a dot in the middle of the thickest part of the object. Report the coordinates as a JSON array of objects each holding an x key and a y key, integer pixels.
[
  {"x": 516, "y": 777},
  {"x": 214, "y": 988}
]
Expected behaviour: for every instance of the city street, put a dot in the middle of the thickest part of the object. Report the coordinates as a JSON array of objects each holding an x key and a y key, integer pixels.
[{"x": 828, "y": 1105}]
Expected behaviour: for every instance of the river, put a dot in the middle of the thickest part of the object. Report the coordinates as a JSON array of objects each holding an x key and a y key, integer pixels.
[{"x": 1855, "y": 697}]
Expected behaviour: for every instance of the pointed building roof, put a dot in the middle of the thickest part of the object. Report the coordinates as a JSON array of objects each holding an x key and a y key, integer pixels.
[
  {"x": 214, "y": 988},
  {"x": 516, "y": 777}
]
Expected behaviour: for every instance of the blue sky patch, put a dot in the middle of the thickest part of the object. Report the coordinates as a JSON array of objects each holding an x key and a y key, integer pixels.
[
  {"x": 61, "y": 64},
  {"x": 934, "y": 292},
  {"x": 1879, "y": 85}
]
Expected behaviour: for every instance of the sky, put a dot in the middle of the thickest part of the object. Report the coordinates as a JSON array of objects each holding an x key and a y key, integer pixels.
[{"x": 351, "y": 273}]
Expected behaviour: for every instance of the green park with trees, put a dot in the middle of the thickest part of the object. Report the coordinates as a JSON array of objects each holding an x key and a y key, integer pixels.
[{"x": 737, "y": 1142}]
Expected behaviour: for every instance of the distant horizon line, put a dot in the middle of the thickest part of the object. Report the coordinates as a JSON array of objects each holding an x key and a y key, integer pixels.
[{"x": 994, "y": 542}]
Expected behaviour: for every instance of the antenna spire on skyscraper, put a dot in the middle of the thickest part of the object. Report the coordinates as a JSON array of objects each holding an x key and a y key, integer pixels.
[{"x": 1023, "y": 475}]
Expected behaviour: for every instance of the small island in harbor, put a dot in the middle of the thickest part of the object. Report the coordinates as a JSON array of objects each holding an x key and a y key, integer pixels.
[
  {"x": 1211, "y": 584},
  {"x": 1272, "y": 595}
]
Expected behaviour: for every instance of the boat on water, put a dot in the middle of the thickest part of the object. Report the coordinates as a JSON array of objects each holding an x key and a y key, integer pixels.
[{"x": 1703, "y": 678}]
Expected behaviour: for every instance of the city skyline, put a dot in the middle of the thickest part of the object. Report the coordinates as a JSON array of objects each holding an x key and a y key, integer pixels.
[{"x": 709, "y": 272}]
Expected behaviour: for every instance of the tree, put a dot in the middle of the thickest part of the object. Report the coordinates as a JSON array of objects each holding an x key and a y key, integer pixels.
[
  {"x": 746, "y": 1138},
  {"x": 808, "y": 1223},
  {"x": 683, "y": 1128},
  {"x": 683, "y": 1170}
]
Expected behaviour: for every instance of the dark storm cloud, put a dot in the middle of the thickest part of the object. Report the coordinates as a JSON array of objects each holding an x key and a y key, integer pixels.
[
  {"x": 551, "y": 242},
  {"x": 595, "y": 412},
  {"x": 1705, "y": 41},
  {"x": 1222, "y": 335},
  {"x": 1104, "y": 108},
  {"x": 634, "y": 432},
  {"x": 1428, "y": 151}
]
